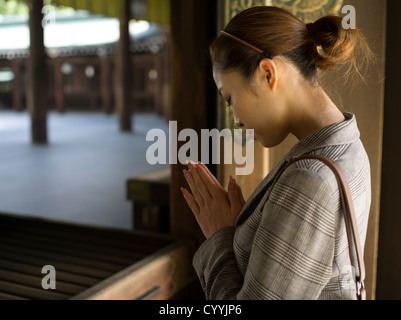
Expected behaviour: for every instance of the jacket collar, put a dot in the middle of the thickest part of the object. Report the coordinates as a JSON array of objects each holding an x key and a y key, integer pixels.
[
  {"x": 337, "y": 134},
  {"x": 343, "y": 133}
]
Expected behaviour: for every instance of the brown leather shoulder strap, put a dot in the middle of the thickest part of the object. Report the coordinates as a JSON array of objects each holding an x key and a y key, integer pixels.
[{"x": 354, "y": 244}]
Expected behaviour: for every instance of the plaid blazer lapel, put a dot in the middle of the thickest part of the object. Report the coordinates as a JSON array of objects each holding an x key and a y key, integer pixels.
[{"x": 258, "y": 194}]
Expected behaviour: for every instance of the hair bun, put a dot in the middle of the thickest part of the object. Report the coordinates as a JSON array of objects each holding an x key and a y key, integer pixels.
[
  {"x": 309, "y": 26},
  {"x": 333, "y": 45}
]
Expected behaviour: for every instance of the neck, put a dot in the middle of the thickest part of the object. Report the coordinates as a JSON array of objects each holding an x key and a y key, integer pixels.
[{"x": 311, "y": 111}]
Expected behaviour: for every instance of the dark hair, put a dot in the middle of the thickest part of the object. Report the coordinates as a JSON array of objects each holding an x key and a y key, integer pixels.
[{"x": 322, "y": 45}]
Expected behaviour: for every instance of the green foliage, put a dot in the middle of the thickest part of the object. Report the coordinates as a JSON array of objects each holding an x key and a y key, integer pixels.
[{"x": 13, "y": 7}]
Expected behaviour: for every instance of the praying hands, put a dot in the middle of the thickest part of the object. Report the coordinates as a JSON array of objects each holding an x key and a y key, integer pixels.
[{"x": 213, "y": 207}]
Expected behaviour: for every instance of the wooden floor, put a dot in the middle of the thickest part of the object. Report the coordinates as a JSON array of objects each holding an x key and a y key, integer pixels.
[
  {"x": 83, "y": 257},
  {"x": 80, "y": 177}
]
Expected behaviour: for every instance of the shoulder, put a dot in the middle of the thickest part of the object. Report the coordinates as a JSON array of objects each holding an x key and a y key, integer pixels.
[
  {"x": 302, "y": 196},
  {"x": 309, "y": 177}
]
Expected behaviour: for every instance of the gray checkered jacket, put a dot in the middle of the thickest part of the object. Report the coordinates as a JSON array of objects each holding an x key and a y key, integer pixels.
[{"x": 290, "y": 243}]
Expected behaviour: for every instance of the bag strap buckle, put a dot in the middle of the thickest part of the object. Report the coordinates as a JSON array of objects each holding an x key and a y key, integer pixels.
[{"x": 361, "y": 290}]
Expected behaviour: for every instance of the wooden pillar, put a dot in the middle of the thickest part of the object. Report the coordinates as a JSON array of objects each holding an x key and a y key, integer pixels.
[
  {"x": 389, "y": 257},
  {"x": 37, "y": 75},
  {"x": 18, "y": 93},
  {"x": 124, "y": 70},
  {"x": 193, "y": 25}
]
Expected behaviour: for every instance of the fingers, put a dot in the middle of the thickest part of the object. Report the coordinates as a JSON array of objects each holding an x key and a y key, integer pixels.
[
  {"x": 235, "y": 195},
  {"x": 202, "y": 180},
  {"x": 196, "y": 179},
  {"x": 232, "y": 192},
  {"x": 211, "y": 182},
  {"x": 211, "y": 176},
  {"x": 191, "y": 201},
  {"x": 239, "y": 191},
  {"x": 192, "y": 185}
]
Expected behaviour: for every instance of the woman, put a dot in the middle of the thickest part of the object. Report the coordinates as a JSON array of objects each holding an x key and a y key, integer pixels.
[{"x": 286, "y": 242}]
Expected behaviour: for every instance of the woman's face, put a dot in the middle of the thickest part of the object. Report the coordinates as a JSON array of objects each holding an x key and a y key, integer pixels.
[{"x": 256, "y": 105}]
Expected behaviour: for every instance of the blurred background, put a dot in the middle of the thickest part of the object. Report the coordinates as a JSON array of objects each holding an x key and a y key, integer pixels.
[{"x": 79, "y": 176}]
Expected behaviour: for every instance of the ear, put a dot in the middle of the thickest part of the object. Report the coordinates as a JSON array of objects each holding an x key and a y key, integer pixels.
[{"x": 269, "y": 71}]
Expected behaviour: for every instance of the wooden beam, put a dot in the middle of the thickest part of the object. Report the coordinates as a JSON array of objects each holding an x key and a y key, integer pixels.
[
  {"x": 389, "y": 258},
  {"x": 193, "y": 102},
  {"x": 37, "y": 75},
  {"x": 124, "y": 78},
  {"x": 92, "y": 263},
  {"x": 18, "y": 66},
  {"x": 193, "y": 26},
  {"x": 158, "y": 277}
]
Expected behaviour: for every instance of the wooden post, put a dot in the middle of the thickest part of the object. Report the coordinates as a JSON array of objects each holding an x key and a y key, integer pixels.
[
  {"x": 18, "y": 93},
  {"x": 193, "y": 26},
  {"x": 193, "y": 104},
  {"x": 124, "y": 70},
  {"x": 37, "y": 75},
  {"x": 389, "y": 258}
]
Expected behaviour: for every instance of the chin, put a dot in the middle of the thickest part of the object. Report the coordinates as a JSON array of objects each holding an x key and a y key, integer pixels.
[{"x": 270, "y": 143}]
